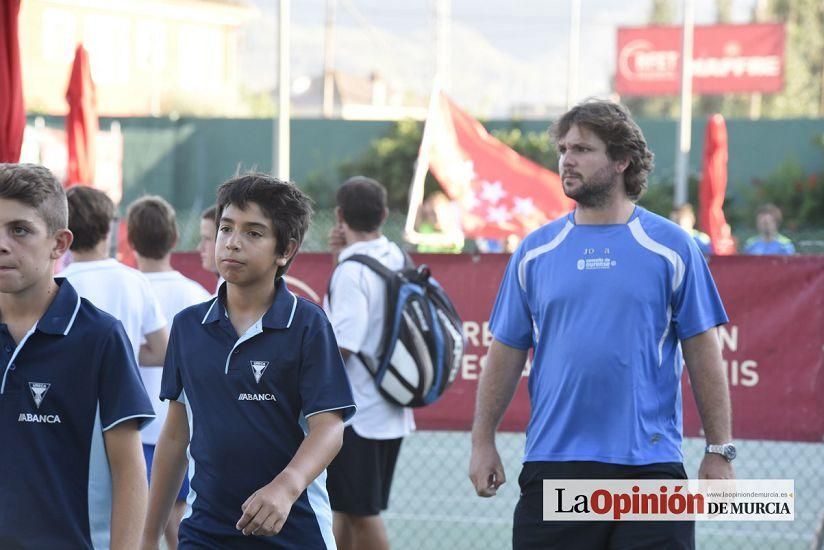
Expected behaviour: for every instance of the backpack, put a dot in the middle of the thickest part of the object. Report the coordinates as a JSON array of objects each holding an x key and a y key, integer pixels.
[{"x": 422, "y": 343}]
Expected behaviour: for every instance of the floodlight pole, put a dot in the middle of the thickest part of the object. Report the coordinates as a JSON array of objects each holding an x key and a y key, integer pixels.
[
  {"x": 574, "y": 53},
  {"x": 281, "y": 147},
  {"x": 685, "y": 124}
]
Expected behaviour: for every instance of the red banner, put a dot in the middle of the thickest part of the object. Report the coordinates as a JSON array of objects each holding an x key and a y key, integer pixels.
[
  {"x": 726, "y": 59},
  {"x": 772, "y": 346}
]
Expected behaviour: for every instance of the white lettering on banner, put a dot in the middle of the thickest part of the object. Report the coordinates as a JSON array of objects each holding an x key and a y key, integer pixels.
[
  {"x": 729, "y": 337},
  {"x": 39, "y": 418},
  {"x": 256, "y": 397},
  {"x": 638, "y": 60},
  {"x": 472, "y": 365},
  {"x": 724, "y": 67},
  {"x": 473, "y": 330},
  {"x": 740, "y": 372}
]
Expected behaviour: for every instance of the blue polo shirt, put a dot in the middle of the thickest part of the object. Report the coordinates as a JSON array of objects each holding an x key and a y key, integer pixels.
[
  {"x": 781, "y": 245},
  {"x": 247, "y": 400},
  {"x": 605, "y": 308},
  {"x": 71, "y": 378}
]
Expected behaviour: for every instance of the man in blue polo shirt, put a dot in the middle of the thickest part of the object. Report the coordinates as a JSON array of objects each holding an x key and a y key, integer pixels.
[
  {"x": 257, "y": 387},
  {"x": 71, "y": 398},
  {"x": 607, "y": 297}
]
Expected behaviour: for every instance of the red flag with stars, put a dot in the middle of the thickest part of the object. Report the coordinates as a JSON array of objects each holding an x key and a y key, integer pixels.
[{"x": 500, "y": 193}]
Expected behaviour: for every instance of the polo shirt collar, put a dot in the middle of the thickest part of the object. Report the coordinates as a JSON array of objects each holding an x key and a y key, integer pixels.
[
  {"x": 279, "y": 315},
  {"x": 61, "y": 313}
]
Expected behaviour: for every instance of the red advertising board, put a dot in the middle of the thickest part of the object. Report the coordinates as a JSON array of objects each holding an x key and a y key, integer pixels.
[
  {"x": 772, "y": 346},
  {"x": 726, "y": 59}
]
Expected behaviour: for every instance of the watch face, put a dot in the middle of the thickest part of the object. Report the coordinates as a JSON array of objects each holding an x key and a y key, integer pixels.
[{"x": 729, "y": 452}]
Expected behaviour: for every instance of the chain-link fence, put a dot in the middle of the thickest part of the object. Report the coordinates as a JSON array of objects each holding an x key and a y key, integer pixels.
[{"x": 434, "y": 507}]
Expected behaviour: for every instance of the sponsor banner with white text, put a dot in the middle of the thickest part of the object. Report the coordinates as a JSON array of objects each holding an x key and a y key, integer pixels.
[{"x": 726, "y": 59}]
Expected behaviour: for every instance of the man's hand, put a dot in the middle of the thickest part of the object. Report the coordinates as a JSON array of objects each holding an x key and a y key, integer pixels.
[
  {"x": 486, "y": 470},
  {"x": 336, "y": 239},
  {"x": 715, "y": 466},
  {"x": 265, "y": 512}
]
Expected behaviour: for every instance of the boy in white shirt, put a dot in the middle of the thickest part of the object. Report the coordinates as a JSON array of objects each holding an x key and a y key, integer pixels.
[
  {"x": 153, "y": 234},
  {"x": 360, "y": 477},
  {"x": 115, "y": 288}
]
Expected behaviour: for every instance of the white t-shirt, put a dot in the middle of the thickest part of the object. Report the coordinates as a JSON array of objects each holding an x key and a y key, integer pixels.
[
  {"x": 120, "y": 291},
  {"x": 357, "y": 312},
  {"x": 175, "y": 293}
]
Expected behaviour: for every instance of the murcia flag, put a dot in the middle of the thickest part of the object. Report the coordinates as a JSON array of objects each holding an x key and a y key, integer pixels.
[{"x": 500, "y": 193}]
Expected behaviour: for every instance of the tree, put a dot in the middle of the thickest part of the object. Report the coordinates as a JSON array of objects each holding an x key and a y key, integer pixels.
[{"x": 803, "y": 93}]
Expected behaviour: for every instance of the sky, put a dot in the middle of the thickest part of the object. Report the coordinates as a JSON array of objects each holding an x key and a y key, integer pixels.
[{"x": 502, "y": 53}]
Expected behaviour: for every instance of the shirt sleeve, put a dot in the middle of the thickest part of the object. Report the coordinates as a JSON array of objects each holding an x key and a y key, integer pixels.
[
  {"x": 171, "y": 384},
  {"x": 511, "y": 321},
  {"x": 347, "y": 304},
  {"x": 696, "y": 303},
  {"x": 324, "y": 385},
  {"x": 122, "y": 395}
]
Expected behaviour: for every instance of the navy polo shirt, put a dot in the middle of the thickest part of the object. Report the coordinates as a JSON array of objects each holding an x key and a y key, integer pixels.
[
  {"x": 70, "y": 378},
  {"x": 247, "y": 400}
]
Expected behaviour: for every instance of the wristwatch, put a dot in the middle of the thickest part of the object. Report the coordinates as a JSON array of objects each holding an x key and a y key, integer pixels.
[{"x": 727, "y": 450}]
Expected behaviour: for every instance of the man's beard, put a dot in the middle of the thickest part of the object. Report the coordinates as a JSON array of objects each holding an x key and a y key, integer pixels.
[{"x": 596, "y": 191}]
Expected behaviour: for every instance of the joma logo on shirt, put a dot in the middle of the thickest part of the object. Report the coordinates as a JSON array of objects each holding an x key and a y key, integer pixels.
[
  {"x": 39, "y": 418},
  {"x": 256, "y": 397}
]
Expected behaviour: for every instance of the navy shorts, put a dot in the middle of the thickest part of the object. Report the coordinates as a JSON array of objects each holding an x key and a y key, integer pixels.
[
  {"x": 148, "y": 452},
  {"x": 360, "y": 477},
  {"x": 530, "y": 531}
]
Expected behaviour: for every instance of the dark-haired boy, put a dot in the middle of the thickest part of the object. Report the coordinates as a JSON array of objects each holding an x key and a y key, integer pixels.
[
  {"x": 152, "y": 230},
  {"x": 112, "y": 286},
  {"x": 360, "y": 477},
  {"x": 71, "y": 399},
  {"x": 257, "y": 390}
]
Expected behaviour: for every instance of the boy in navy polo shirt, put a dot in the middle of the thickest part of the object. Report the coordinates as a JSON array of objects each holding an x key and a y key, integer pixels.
[
  {"x": 257, "y": 390},
  {"x": 71, "y": 399}
]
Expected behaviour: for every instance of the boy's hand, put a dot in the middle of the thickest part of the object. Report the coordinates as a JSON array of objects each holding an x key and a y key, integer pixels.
[
  {"x": 336, "y": 239},
  {"x": 265, "y": 512}
]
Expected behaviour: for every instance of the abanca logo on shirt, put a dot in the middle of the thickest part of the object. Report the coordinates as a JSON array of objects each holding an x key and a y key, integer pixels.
[{"x": 38, "y": 392}]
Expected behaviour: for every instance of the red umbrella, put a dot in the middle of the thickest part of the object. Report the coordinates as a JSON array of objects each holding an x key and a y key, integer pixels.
[
  {"x": 12, "y": 111},
  {"x": 81, "y": 123},
  {"x": 713, "y": 187}
]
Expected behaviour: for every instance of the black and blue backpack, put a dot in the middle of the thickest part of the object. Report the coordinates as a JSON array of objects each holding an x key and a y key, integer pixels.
[{"x": 422, "y": 344}]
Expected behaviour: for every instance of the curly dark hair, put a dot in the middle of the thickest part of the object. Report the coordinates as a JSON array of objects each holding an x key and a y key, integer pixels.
[{"x": 613, "y": 124}]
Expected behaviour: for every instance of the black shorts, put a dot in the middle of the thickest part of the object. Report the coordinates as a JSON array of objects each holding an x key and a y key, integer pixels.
[
  {"x": 359, "y": 478},
  {"x": 531, "y": 532}
]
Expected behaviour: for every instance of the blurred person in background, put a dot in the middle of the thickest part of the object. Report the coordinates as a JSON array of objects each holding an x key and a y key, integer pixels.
[
  {"x": 152, "y": 230},
  {"x": 684, "y": 216},
  {"x": 440, "y": 225},
  {"x": 206, "y": 244},
  {"x": 769, "y": 240}
]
